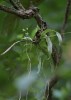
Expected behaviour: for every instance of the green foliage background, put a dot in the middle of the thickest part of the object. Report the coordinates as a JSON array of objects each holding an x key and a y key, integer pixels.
[{"x": 16, "y": 62}]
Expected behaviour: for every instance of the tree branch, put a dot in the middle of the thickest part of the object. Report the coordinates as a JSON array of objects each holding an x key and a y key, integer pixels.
[
  {"x": 8, "y": 9},
  {"x": 14, "y": 4},
  {"x": 26, "y": 14},
  {"x": 21, "y": 12},
  {"x": 57, "y": 57},
  {"x": 20, "y": 5},
  {"x": 66, "y": 17},
  {"x": 32, "y": 12},
  {"x": 48, "y": 91}
]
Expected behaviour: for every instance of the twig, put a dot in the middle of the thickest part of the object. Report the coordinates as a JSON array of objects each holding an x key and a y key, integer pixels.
[
  {"x": 57, "y": 56},
  {"x": 14, "y": 4},
  {"x": 32, "y": 12},
  {"x": 20, "y": 5},
  {"x": 66, "y": 17},
  {"x": 24, "y": 15},
  {"x": 48, "y": 91},
  {"x": 7, "y": 9}
]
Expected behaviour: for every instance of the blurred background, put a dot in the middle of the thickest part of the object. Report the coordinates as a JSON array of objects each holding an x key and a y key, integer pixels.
[{"x": 23, "y": 60}]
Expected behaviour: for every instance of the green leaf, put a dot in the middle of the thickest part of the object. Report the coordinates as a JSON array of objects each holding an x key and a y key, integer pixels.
[
  {"x": 59, "y": 37},
  {"x": 8, "y": 49},
  {"x": 34, "y": 31},
  {"x": 46, "y": 31},
  {"x": 49, "y": 46},
  {"x": 22, "y": 40}
]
